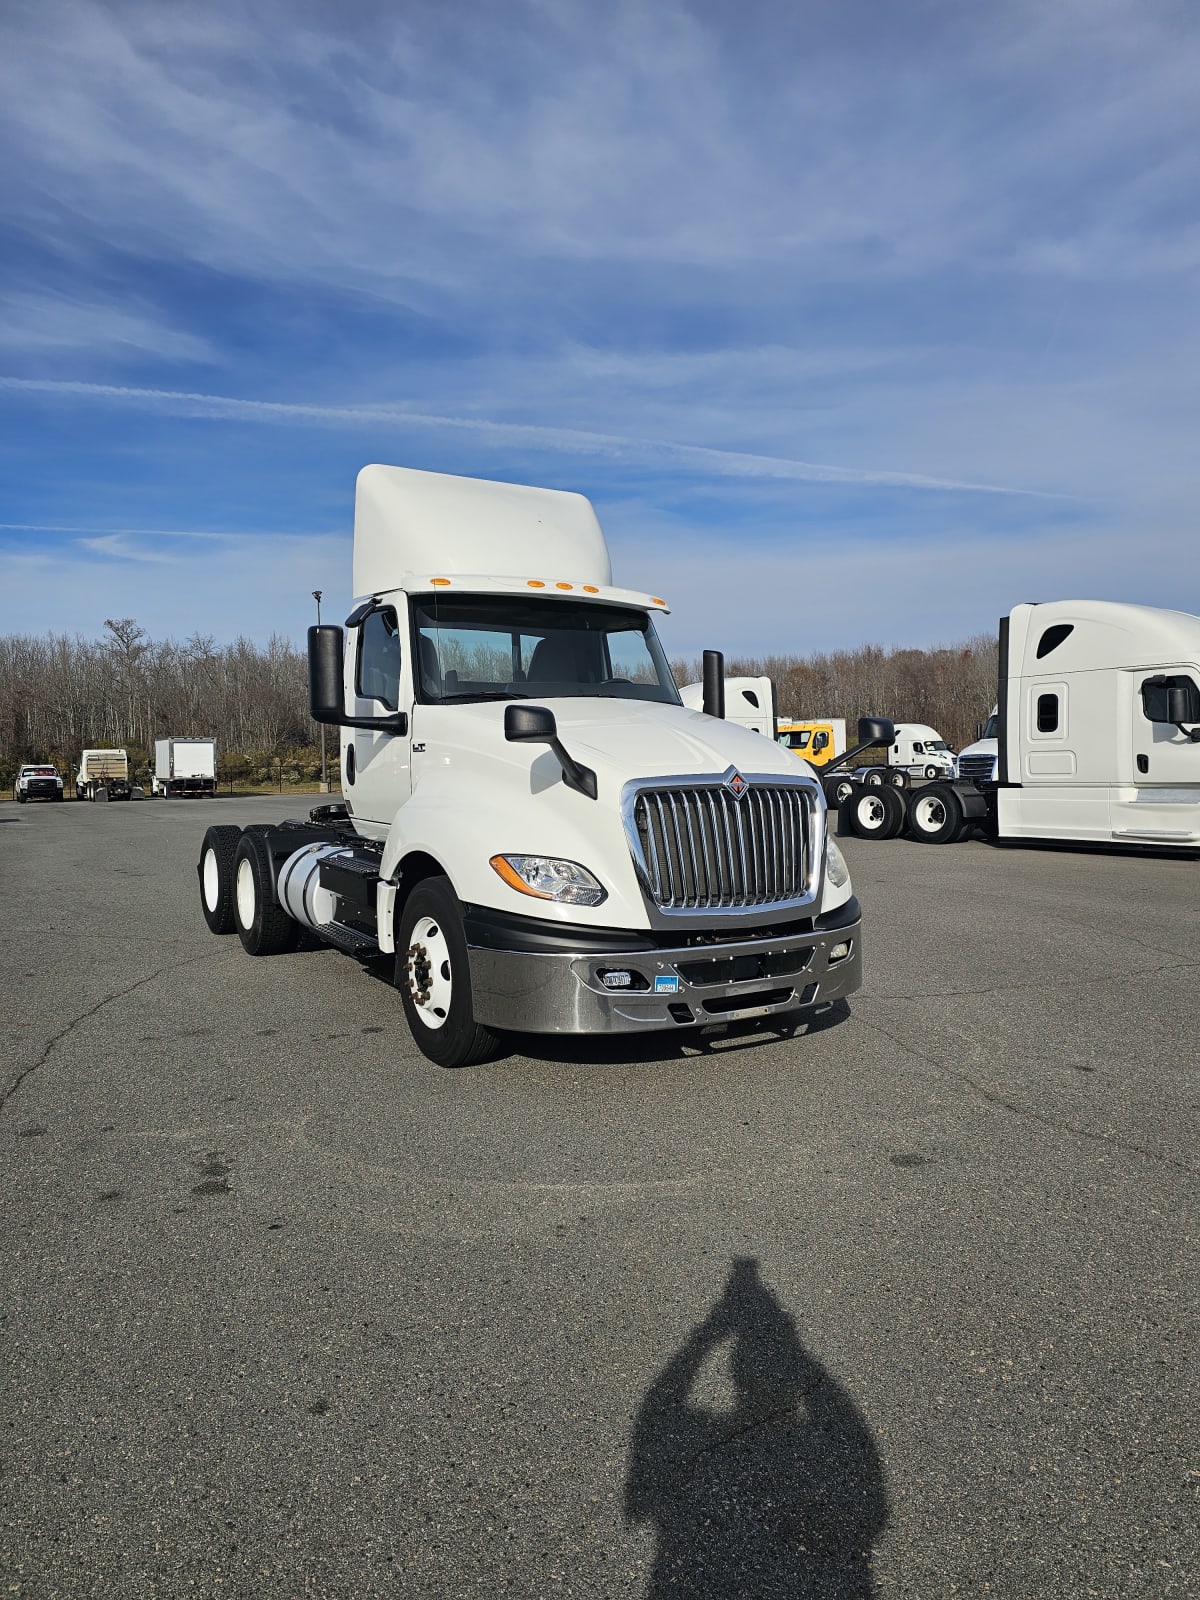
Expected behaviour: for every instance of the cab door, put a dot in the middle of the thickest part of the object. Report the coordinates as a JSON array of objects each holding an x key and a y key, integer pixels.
[
  {"x": 1162, "y": 754},
  {"x": 376, "y": 765}
]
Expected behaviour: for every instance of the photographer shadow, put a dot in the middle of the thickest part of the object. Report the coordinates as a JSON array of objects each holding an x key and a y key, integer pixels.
[{"x": 780, "y": 1494}]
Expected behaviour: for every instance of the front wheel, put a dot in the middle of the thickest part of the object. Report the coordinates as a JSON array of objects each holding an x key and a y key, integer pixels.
[
  {"x": 935, "y": 815},
  {"x": 932, "y": 772},
  {"x": 433, "y": 975}
]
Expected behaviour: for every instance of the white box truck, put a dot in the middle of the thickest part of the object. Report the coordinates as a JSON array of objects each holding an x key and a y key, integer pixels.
[
  {"x": 1097, "y": 737},
  {"x": 103, "y": 775},
  {"x": 534, "y": 827},
  {"x": 184, "y": 766}
]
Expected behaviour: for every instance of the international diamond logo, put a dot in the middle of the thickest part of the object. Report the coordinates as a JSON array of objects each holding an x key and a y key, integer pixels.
[{"x": 736, "y": 784}]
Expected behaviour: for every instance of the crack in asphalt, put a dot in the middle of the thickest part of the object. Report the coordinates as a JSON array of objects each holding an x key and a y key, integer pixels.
[
  {"x": 1014, "y": 1108},
  {"x": 63, "y": 1033}
]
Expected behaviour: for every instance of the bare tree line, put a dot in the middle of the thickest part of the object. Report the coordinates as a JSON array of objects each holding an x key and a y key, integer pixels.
[
  {"x": 59, "y": 694},
  {"x": 62, "y": 694}
]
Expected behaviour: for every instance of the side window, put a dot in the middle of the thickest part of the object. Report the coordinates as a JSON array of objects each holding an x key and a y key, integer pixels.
[
  {"x": 379, "y": 658},
  {"x": 1047, "y": 713},
  {"x": 918, "y": 748},
  {"x": 1053, "y": 637},
  {"x": 1154, "y": 697}
]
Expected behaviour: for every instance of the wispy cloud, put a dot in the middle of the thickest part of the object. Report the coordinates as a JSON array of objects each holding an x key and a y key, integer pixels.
[
  {"x": 724, "y": 463},
  {"x": 39, "y": 323}
]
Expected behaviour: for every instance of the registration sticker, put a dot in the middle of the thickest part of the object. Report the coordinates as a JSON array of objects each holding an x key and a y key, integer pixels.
[{"x": 664, "y": 984}]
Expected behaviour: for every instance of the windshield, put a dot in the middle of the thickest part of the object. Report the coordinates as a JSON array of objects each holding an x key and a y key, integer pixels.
[
  {"x": 518, "y": 647},
  {"x": 794, "y": 740},
  {"x": 992, "y": 731},
  {"x": 936, "y": 744}
]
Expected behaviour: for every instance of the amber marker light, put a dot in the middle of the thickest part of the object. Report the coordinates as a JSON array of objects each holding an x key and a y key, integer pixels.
[
  {"x": 513, "y": 878},
  {"x": 655, "y": 601},
  {"x": 536, "y": 583},
  {"x": 563, "y": 586},
  {"x": 590, "y": 588},
  {"x": 440, "y": 583}
]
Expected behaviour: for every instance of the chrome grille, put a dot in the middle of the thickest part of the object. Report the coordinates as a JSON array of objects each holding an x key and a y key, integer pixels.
[
  {"x": 976, "y": 766},
  {"x": 700, "y": 848}
]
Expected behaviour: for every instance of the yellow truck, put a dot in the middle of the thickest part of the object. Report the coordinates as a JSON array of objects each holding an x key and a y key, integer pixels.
[{"x": 814, "y": 742}]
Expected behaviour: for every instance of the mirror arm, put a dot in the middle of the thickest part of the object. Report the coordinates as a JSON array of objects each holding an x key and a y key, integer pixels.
[
  {"x": 1189, "y": 733},
  {"x": 395, "y": 722},
  {"x": 581, "y": 779}
]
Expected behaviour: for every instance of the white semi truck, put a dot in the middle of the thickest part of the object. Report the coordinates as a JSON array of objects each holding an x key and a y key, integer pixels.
[
  {"x": 750, "y": 702},
  {"x": 534, "y": 827},
  {"x": 184, "y": 767},
  {"x": 1097, "y": 737}
]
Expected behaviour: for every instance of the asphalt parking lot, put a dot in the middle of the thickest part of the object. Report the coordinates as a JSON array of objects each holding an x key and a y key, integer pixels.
[{"x": 903, "y": 1304}]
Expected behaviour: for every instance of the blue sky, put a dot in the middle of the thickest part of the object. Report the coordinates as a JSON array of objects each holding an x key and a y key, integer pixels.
[{"x": 856, "y": 321}]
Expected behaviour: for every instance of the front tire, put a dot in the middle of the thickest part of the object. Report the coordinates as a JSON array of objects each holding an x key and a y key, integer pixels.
[
  {"x": 932, "y": 772},
  {"x": 433, "y": 975},
  {"x": 216, "y": 870},
  {"x": 262, "y": 924},
  {"x": 935, "y": 815}
]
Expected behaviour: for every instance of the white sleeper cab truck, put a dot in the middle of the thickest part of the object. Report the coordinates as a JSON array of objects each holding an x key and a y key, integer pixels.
[
  {"x": 103, "y": 775},
  {"x": 535, "y": 828},
  {"x": 978, "y": 761},
  {"x": 750, "y": 702},
  {"x": 41, "y": 781},
  {"x": 1097, "y": 737},
  {"x": 184, "y": 766}
]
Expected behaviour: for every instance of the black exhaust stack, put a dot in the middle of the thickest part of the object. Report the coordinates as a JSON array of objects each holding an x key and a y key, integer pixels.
[{"x": 713, "y": 704}]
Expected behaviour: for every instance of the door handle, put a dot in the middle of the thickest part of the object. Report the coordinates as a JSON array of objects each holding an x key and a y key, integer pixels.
[{"x": 1143, "y": 763}]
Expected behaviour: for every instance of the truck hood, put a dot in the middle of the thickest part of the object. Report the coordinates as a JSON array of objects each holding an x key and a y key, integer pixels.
[{"x": 619, "y": 739}]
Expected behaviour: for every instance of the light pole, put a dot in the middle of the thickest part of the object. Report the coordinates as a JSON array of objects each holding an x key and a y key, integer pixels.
[{"x": 316, "y": 594}]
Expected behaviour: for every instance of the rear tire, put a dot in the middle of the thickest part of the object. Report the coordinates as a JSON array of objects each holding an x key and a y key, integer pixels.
[
  {"x": 898, "y": 778},
  {"x": 262, "y": 924},
  {"x": 935, "y": 815},
  {"x": 433, "y": 975},
  {"x": 875, "y": 812},
  {"x": 837, "y": 791},
  {"x": 215, "y": 870},
  {"x": 874, "y": 778}
]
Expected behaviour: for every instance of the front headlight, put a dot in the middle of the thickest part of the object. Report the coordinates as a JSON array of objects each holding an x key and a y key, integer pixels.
[
  {"x": 836, "y": 869},
  {"x": 547, "y": 878}
]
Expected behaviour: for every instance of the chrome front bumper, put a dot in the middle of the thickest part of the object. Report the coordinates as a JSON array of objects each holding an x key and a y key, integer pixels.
[{"x": 564, "y": 992}]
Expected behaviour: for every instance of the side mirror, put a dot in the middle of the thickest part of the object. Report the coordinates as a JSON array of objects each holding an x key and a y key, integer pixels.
[
  {"x": 978, "y": 732},
  {"x": 325, "y": 647},
  {"x": 536, "y": 725},
  {"x": 820, "y": 742},
  {"x": 1178, "y": 705},
  {"x": 876, "y": 730},
  {"x": 325, "y": 697},
  {"x": 529, "y": 725}
]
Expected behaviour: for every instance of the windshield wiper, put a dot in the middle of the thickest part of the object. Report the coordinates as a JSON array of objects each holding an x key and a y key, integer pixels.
[{"x": 486, "y": 694}]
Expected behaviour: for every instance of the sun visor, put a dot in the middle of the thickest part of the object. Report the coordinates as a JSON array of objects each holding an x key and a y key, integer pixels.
[{"x": 407, "y": 521}]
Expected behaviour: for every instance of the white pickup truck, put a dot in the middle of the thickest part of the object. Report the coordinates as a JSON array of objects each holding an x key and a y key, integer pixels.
[
  {"x": 41, "y": 781},
  {"x": 534, "y": 828}
]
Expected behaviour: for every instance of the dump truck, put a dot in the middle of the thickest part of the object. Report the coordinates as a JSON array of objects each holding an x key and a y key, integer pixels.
[{"x": 103, "y": 775}]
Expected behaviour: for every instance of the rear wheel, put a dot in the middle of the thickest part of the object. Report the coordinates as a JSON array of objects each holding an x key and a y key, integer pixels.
[
  {"x": 935, "y": 815},
  {"x": 216, "y": 870},
  {"x": 898, "y": 778},
  {"x": 262, "y": 924},
  {"x": 874, "y": 778},
  {"x": 875, "y": 813},
  {"x": 433, "y": 975},
  {"x": 838, "y": 790}
]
